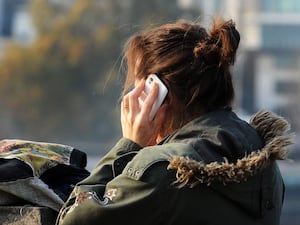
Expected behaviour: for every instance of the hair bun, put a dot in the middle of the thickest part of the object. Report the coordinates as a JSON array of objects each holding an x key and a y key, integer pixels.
[
  {"x": 227, "y": 38},
  {"x": 221, "y": 45}
]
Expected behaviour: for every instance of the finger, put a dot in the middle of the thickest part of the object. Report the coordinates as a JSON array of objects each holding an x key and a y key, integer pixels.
[
  {"x": 125, "y": 103},
  {"x": 134, "y": 102},
  {"x": 124, "y": 108}
]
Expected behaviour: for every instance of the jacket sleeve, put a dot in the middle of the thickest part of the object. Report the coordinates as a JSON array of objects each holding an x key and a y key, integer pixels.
[
  {"x": 121, "y": 189},
  {"x": 113, "y": 162}
]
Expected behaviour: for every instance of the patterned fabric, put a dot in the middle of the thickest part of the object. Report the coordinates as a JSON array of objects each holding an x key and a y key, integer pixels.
[
  {"x": 40, "y": 156},
  {"x": 39, "y": 173}
]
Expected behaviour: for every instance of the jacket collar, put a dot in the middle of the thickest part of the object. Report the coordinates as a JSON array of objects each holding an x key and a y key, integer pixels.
[{"x": 273, "y": 130}]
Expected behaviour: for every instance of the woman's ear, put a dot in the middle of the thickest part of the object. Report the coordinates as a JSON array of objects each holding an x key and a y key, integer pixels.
[{"x": 162, "y": 119}]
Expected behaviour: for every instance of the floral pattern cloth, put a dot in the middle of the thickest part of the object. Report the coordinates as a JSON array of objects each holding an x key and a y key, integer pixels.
[
  {"x": 39, "y": 173},
  {"x": 41, "y": 156}
]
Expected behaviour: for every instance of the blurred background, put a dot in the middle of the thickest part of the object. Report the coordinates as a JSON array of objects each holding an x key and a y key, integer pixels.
[{"x": 60, "y": 76}]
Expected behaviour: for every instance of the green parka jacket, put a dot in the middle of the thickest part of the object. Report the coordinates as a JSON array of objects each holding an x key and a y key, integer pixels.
[{"x": 217, "y": 169}]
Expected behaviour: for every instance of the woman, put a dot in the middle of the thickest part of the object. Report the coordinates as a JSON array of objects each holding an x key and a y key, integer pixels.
[{"x": 196, "y": 162}]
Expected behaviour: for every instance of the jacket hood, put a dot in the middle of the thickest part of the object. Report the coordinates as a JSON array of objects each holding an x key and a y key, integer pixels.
[{"x": 272, "y": 129}]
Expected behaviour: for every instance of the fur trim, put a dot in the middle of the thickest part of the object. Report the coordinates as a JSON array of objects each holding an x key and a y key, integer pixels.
[{"x": 272, "y": 129}]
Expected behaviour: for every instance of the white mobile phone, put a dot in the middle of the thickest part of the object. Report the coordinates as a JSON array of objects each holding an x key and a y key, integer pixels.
[{"x": 162, "y": 93}]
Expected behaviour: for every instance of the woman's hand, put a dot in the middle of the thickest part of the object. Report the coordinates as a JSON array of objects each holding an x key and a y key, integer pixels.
[{"x": 135, "y": 118}]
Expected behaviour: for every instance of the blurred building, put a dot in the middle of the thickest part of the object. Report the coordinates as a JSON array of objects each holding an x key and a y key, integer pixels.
[
  {"x": 15, "y": 22},
  {"x": 271, "y": 65},
  {"x": 268, "y": 65}
]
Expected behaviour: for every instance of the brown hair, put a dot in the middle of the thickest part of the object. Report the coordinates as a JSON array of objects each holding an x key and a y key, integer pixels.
[{"x": 194, "y": 64}]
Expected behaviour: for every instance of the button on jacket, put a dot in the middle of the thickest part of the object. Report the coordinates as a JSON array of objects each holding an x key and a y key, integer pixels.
[{"x": 217, "y": 169}]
